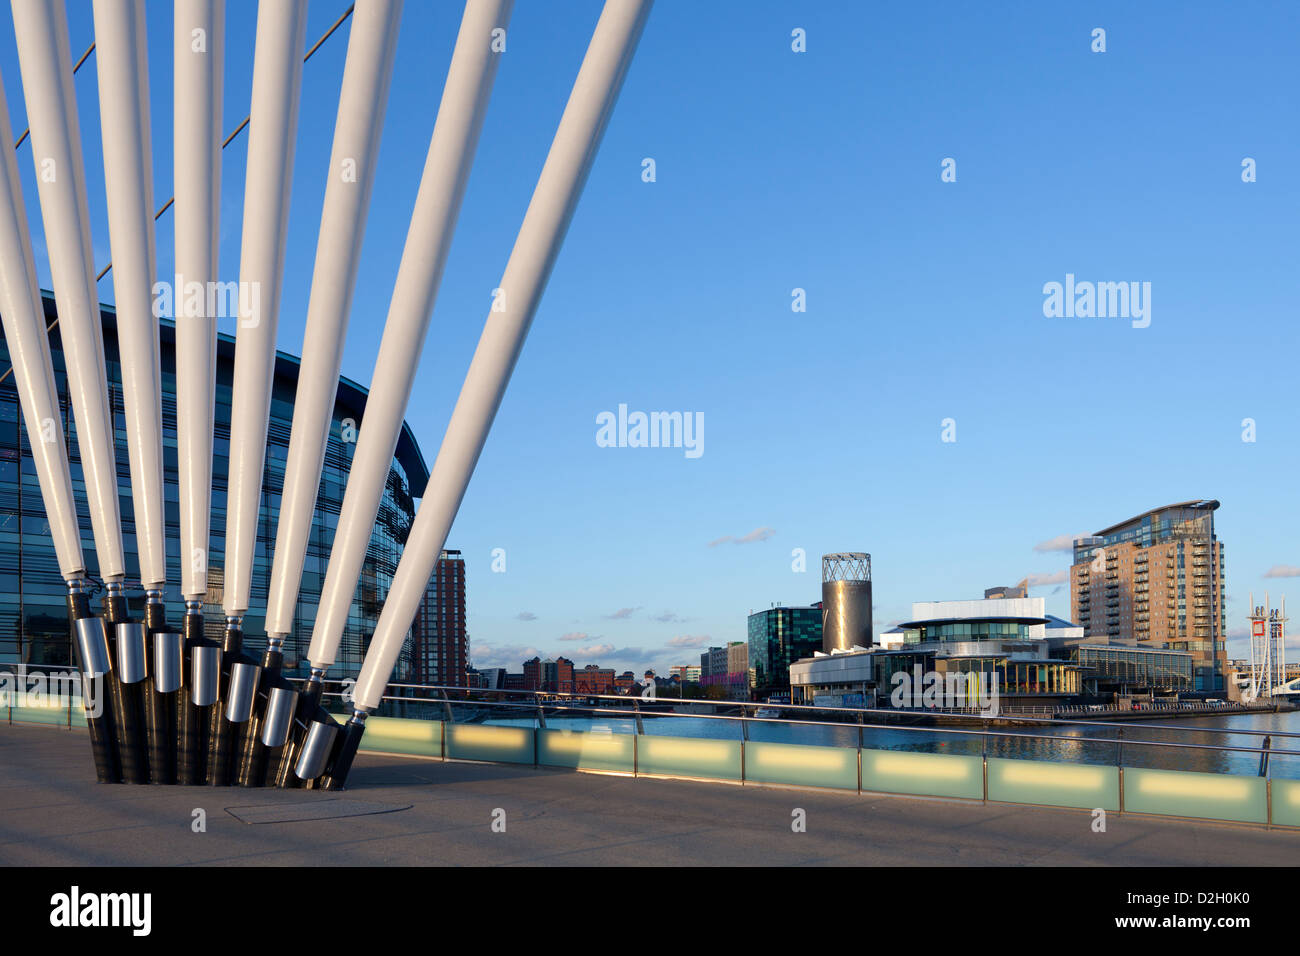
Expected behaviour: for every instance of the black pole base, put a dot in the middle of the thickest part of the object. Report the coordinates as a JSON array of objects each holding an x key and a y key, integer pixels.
[
  {"x": 99, "y": 715},
  {"x": 345, "y": 751},
  {"x": 251, "y": 765},
  {"x": 160, "y": 731}
]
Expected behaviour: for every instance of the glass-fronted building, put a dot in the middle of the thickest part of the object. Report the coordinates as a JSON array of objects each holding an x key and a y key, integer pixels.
[
  {"x": 1132, "y": 668},
  {"x": 778, "y": 637},
  {"x": 33, "y": 616},
  {"x": 1157, "y": 580}
]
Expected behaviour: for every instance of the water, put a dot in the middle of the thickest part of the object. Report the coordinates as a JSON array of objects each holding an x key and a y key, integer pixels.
[{"x": 1089, "y": 745}]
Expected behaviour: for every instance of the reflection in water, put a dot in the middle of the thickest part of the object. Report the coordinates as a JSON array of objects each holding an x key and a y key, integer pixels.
[{"x": 1025, "y": 743}]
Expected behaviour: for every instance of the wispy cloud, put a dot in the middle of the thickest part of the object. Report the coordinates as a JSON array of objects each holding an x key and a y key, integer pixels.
[
  {"x": 689, "y": 640},
  {"x": 578, "y": 636},
  {"x": 1062, "y": 542},
  {"x": 595, "y": 650},
  {"x": 1042, "y": 580},
  {"x": 525, "y": 616},
  {"x": 622, "y": 614},
  {"x": 758, "y": 534},
  {"x": 667, "y": 617},
  {"x": 1282, "y": 571}
]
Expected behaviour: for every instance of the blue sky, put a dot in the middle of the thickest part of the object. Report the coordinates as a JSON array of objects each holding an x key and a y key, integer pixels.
[{"x": 820, "y": 170}]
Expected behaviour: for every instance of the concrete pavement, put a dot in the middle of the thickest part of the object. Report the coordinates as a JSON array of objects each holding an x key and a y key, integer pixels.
[{"x": 422, "y": 812}]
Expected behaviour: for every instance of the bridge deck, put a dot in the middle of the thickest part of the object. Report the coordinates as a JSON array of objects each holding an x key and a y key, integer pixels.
[{"x": 53, "y": 813}]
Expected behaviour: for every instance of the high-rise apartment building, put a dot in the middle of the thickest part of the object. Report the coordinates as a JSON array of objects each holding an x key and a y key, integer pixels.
[
  {"x": 439, "y": 640},
  {"x": 1157, "y": 579}
]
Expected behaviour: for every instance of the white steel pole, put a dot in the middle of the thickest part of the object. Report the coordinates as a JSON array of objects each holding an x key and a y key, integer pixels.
[
  {"x": 29, "y": 349},
  {"x": 362, "y": 101},
  {"x": 273, "y": 127},
  {"x": 41, "y": 29},
  {"x": 526, "y": 273},
  {"x": 277, "y": 82},
  {"x": 199, "y": 49},
  {"x": 433, "y": 221},
  {"x": 121, "y": 48}
]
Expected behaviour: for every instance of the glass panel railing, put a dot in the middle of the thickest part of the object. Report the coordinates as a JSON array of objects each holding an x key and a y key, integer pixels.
[
  {"x": 1053, "y": 784},
  {"x": 494, "y": 744},
  {"x": 689, "y": 757},
  {"x": 801, "y": 765},
  {"x": 931, "y": 775},
  {"x": 1208, "y": 796},
  {"x": 1286, "y": 803},
  {"x": 393, "y": 735},
  {"x": 589, "y": 750}
]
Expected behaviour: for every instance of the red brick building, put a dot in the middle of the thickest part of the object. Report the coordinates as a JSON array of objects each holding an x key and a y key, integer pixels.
[
  {"x": 594, "y": 679},
  {"x": 439, "y": 639}
]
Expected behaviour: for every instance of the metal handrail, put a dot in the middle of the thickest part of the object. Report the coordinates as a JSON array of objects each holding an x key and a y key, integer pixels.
[
  {"x": 530, "y": 708},
  {"x": 1056, "y": 721},
  {"x": 536, "y": 702}
]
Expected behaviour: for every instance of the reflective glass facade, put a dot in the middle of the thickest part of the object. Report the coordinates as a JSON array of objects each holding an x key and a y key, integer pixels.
[
  {"x": 974, "y": 631},
  {"x": 1013, "y": 676},
  {"x": 778, "y": 637},
  {"x": 33, "y": 619},
  {"x": 1161, "y": 670}
]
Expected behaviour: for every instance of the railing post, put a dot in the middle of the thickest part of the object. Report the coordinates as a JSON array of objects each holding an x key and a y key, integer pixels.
[
  {"x": 636, "y": 744},
  {"x": 859, "y": 753},
  {"x": 984, "y": 759},
  {"x": 1263, "y": 756}
]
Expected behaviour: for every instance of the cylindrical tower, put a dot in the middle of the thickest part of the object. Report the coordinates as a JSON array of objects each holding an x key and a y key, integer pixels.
[{"x": 846, "y": 601}]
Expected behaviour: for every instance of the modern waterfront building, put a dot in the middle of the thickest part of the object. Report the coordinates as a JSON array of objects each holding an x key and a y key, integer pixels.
[
  {"x": 778, "y": 637},
  {"x": 1127, "y": 669},
  {"x": 33, "y": 615},
  {"x": 1002, "y": 637},
  {"x": 846, "y": 601},
  {"x": 440, "y": 643},
  {"x": 1036, "y": 658},
  {"x": 1157, "y": 580}
]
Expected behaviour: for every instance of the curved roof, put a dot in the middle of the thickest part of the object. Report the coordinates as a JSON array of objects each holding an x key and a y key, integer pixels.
[
  {"x": 1208, "y": 504},
  {"x": 351, "y": 395},
  {"x": 991, "y": 619}
]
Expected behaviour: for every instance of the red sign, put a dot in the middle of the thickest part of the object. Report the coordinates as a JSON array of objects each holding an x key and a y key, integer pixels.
[{"x": 1257, "y": 628}]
